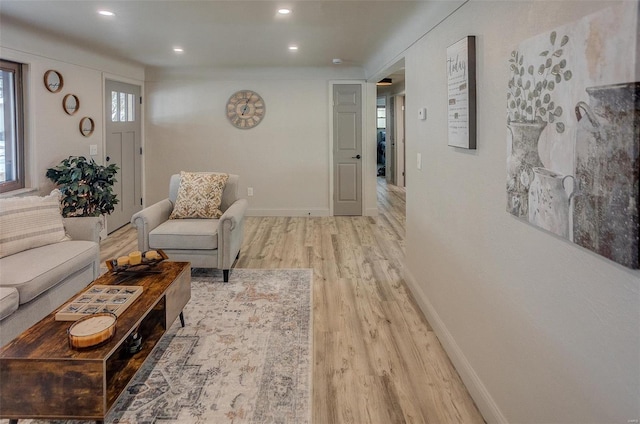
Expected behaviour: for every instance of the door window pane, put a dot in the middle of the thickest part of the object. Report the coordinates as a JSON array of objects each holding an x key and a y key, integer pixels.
[
  {"x": 130, "y": 108},
  {"x": 123, "y": 107},
  {"x": 114, "y": 106}
]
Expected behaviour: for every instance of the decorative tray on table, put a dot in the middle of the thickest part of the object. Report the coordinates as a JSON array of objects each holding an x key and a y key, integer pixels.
[
  {"x": 137, "y": 263},
  {"x": 99, "y": 299}
]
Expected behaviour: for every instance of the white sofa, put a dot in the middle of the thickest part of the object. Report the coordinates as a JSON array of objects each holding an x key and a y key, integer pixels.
[{"x": 36, "y": 281}]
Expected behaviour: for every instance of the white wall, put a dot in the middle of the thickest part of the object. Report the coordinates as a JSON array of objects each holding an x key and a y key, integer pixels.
[
  {"x": 51, "y": 134},
  {"x": 286, "y": 158},
  {"x": 541, "y": 330}
]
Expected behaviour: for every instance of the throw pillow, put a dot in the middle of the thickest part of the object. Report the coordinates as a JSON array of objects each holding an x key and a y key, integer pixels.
[
  {"x": 29, "y": 222},
  {"x": 199, "y": 195}
]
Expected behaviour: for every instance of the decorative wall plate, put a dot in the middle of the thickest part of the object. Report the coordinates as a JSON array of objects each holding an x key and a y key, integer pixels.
[
  {"x": 53, "y": 81},
  {"x": 70, "y": 104},
  {"x": 87, "y": 126}
]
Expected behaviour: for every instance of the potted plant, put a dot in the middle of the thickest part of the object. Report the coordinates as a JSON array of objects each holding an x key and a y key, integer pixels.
[
  {"x": 530, "y": 107},
  {"x": 530, "y": 89},
  {"x": 86, "y": 187}
]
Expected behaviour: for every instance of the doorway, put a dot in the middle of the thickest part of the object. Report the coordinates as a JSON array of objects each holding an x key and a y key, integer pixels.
[
  {"x": 390, "y": 128},
  {"x": 124, "y": 148}
]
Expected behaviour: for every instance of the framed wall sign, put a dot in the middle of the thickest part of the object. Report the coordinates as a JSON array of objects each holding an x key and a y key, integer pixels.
[
  {"x": 70, "y": 104},
  {"x": 461, "y": 93},
  {"x": 53, "y": 81}
]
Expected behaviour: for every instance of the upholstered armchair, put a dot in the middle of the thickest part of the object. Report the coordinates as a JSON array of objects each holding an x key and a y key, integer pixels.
[{"x": 206, "y": 243}]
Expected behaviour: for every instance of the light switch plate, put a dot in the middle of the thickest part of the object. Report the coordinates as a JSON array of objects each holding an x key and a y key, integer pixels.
[
  {"x": 419, "y": 160},
  {"x": 422, "y": 113},
  {"x": 93, "y": 149}
]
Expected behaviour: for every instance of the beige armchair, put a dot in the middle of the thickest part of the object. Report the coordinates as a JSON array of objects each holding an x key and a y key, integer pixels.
[{"x": 206, "y": 243}]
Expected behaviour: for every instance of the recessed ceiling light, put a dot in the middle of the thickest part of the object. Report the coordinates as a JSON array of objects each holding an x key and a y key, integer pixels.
[
  {"x": 178, "y": 49},
  {"x": 106, "y": 13},
  {"x": 293, "y": 48},
  {"x": 284, "y": 11}
]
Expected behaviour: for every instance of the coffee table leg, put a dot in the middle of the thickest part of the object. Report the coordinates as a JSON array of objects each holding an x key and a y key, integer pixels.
[{"x": 182, "y": 319}]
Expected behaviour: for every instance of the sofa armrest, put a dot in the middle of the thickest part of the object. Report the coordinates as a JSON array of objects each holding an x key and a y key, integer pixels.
[
  {"x": 231, "y": 233},
  {"x": 148, "y": 219},
  {"x": 83, "y": 228}
]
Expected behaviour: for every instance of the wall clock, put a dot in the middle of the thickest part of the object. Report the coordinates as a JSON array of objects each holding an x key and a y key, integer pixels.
[{"x": 245, "y": 109}]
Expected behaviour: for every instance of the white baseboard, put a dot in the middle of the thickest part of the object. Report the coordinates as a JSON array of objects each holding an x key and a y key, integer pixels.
[
  {"x": 287, "y": 212},
  {"x": 371, "y": 212},
  {"x": 487, "y": 406}
]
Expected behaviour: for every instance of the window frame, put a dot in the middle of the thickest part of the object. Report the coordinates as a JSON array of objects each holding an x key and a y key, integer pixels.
[{"x": 18, "y": 182}]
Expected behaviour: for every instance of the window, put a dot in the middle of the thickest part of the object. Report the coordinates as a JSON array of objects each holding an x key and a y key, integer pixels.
[
  {"x": 382, "y": 117},
  {"x": 123, "y": 107},
  {"x": 11, "y": 121}
]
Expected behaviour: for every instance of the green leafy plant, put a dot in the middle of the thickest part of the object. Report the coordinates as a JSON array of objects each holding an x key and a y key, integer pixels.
[
  {"x": 529, "y": 94},
  {"x": 86, "y": 187}
]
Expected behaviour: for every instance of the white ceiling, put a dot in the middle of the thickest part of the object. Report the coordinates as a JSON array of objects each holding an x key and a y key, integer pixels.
[{"x": 228, "y": 34}]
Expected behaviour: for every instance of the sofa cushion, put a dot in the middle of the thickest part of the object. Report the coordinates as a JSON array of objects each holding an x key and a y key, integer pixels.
[
  {"x": 28, "y": 222},
  {"x": 9, "y": 301},
  {"x": 185, "y": 234},
  {"x": 33, "y": 272},
  {"x": 199, "y": 195}
]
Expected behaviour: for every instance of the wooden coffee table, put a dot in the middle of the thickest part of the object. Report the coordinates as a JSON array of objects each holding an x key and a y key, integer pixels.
[{"x": 42, "y": 377}]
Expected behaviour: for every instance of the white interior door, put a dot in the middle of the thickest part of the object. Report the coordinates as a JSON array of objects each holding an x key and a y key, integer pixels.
[
  {"x": 124, "y": 148},
  {"x": 347, "y": 149}
]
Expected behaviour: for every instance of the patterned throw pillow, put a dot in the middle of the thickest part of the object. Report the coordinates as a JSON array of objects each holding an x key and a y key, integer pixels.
[
  {"x": 199, "y": 195},
  {"x": 30, "y": 222}
]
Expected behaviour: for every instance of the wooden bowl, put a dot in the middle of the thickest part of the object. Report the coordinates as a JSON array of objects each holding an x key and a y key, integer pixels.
[{"x": 92, "y": 330}]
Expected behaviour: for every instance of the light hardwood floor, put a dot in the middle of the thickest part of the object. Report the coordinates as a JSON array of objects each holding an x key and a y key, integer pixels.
[{"x": 376, "y": 359}]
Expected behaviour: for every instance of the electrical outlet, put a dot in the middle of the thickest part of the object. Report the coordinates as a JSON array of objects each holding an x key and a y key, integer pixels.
[
  {"x": 93, "y": 149},
  {"x": 249, "y": 191}
]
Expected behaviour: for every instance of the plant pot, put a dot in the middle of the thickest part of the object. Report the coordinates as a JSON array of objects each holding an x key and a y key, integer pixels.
[
  {"x": 524, "y": 157},
  {"x": 103, "y": 232},
  {"x": 549, "y": 201}
]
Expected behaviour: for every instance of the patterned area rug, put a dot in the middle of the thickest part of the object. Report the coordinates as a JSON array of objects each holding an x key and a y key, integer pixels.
[{"x": 243, "y": 357}]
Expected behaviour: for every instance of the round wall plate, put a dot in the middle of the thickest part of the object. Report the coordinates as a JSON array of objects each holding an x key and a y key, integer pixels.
[
  {"x": 87, "y": 126},
  {"x": 53, "y": 81},
  {"x": 70, "y": 104}
]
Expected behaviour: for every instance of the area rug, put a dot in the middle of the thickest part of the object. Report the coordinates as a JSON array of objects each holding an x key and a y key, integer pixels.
[{"x": 243, "y": 357}]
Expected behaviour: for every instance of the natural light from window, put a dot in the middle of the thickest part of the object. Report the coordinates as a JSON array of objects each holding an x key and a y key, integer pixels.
[
  {"x": 10, "y": 127},
  {"x": 122, "y": 107}
]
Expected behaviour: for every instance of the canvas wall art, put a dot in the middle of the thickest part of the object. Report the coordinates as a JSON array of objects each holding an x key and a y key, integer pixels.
[{"x": 573, "y": 139}]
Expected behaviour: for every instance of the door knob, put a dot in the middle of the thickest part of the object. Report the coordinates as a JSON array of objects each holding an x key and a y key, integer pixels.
[
  {"x": 108, "y": 158},
  {"x": 356, "y": 157}
]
